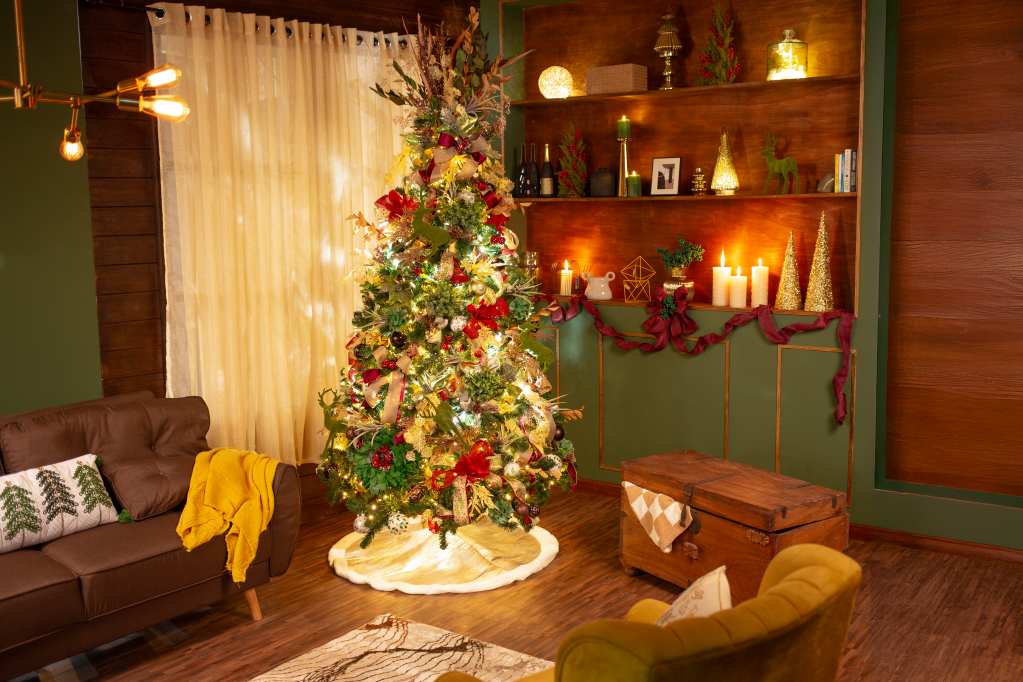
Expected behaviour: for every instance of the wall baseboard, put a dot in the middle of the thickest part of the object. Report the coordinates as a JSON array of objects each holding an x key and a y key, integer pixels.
[
  {"x": 934, "y": 544},
  {"x": 598, "y": 488}
]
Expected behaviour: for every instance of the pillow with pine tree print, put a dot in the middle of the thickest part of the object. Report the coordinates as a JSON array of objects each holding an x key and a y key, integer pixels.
[{"x": 39, "y": 505}]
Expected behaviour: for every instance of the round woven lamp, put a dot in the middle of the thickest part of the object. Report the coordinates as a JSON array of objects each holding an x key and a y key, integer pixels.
[{"x": 555, "y": 83}]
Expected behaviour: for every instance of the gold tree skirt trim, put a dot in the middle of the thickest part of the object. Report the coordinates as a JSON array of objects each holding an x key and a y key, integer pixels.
[{"x": 479, "y": 557}]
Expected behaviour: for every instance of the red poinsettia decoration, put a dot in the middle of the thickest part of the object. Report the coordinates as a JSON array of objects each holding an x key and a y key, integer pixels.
[
  {"x": 396, "y": 204},
  {"x": 485, "y": 316}
]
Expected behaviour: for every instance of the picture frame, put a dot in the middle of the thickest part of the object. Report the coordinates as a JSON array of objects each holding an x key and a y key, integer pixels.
[{"x": 664, "y": 176}]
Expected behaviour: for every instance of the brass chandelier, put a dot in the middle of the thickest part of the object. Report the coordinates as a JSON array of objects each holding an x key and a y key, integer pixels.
[{"x": 132, "y": 94}]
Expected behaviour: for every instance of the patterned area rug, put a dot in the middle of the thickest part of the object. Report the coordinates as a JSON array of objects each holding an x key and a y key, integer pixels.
[{"x": 393, "y": 649}]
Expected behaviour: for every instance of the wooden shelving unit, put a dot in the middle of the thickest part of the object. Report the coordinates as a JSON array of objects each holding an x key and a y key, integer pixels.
[
  {"x": 706, "y": 197},
  {"x": 814, "y": 119},
  {"x": 692, "y": 306},
  {"x": 666, "y": 97}
]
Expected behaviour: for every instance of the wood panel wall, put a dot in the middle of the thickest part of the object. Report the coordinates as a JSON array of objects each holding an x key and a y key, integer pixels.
[
  {"x": 124, "y": 192},
  {"x": 124, "y": 186},
  {"x": 955, "y": 359}
]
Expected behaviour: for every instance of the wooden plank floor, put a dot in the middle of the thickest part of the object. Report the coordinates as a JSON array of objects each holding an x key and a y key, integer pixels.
[{"x": 920, "y": 615}]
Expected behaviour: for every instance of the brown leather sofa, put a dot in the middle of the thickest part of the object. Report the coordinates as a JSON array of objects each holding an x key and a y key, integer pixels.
[{"x": 82, "y": 590}]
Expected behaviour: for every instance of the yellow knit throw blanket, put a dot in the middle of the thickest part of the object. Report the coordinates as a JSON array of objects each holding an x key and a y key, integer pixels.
[{"x": 231, "y": 490}]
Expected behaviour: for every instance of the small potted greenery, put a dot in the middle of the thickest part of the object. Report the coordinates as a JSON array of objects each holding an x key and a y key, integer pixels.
[{"x": 677, "y": 262}]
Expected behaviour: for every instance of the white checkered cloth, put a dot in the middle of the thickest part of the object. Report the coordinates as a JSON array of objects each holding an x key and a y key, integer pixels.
[{"x": 662, "y": 518}]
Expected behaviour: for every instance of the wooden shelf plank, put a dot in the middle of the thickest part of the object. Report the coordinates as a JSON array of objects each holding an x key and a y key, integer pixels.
[
  {"x": 686, "y": 197},
  {"x": 692, "y": 306},
  {"x": 691, "y": 91}
]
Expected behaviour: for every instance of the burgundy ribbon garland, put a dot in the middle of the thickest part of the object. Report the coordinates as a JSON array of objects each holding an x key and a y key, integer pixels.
[{"x": 672, "y": 324}]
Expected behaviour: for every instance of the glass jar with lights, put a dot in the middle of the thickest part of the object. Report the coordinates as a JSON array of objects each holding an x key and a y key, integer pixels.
[{"x": 787, "y": 59}]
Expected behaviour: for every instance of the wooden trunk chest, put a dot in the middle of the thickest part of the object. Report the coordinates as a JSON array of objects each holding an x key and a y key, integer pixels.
[{"x": 742, "y": 517}]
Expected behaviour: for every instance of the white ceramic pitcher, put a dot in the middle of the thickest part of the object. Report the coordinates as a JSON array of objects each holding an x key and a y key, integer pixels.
[{"x": 598, "y": 288}]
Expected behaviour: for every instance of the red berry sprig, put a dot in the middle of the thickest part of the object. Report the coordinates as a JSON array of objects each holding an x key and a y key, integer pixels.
[{"x": 383, "y": 458}]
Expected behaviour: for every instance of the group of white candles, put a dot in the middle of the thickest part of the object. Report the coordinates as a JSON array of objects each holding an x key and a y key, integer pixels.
[{"x": 730, "y": 290}]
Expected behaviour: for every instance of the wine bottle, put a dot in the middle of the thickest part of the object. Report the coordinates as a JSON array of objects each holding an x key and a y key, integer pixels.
[
  {"x": 534, "y": 172},
  {"x": 521, "y": 174},
  {"x": 547, "y": 174}
]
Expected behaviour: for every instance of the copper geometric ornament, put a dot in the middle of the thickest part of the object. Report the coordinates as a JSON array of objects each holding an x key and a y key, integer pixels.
[{"x": 637, "y": 275}]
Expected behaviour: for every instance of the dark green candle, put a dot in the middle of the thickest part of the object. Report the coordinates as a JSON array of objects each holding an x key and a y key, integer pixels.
[
  {"x": 634, "y": 184},
  {"x": 624, "y": 128}
]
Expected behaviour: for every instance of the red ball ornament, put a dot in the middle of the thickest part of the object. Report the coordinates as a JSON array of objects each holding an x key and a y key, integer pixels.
[{"x": 481, "y": 447}]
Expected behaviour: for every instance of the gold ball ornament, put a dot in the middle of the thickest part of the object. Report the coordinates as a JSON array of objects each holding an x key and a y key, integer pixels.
[
  {"x": 478, "y": 287},
  {"x": 527, "y": 498},
  {"x": 555, "y": 83}
]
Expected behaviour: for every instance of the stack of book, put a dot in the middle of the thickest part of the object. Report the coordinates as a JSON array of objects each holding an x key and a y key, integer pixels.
[{"x": 845, "y": 171}]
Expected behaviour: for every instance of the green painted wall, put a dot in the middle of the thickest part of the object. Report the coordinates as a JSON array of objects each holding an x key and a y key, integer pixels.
[
  {"x": 49, "y": 339},
  {"x": 666, "y": 401}
]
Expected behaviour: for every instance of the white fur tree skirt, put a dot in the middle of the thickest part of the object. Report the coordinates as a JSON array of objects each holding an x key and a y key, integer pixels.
[{"x": 479, "y": 557}]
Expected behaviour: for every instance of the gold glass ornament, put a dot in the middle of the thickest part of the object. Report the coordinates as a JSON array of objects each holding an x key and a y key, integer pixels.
[
  {"x": 556, "y": 83},
  {"x": 725, "y": 180},
  {"x": 819, "y": 297},
  {"x": 667, "y": 46},
  {"x": 788, "y": 297},
  {"x": 787, "y": 59}
]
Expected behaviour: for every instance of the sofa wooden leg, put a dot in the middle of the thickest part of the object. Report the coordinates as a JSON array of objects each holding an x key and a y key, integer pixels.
[{"x": 250, "y": 599}]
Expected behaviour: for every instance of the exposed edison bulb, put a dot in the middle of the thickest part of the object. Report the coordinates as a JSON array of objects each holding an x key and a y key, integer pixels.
[
  {"x": 71, "y": 147},
  {"x": 166, "y": 76},
  {"x": 168, "y": 107}
]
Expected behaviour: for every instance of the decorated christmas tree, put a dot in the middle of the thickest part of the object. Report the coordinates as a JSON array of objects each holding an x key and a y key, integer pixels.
[{"x": 444, "y": 411}]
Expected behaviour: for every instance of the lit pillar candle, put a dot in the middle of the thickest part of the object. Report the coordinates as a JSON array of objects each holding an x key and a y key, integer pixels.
[
  {"x": 624, "y": 128},
  {"x": 759, "y": 295},
  {"x": 721, "y": 277},
  {"x": 634, "y": 184},
  {"x": 565, "y": 283},
  {"x": 737, "y": 290}
]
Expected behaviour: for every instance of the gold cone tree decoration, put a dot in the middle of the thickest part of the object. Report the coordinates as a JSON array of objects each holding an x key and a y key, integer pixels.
[
  {"x": 788, "y": 297},
  {"x": 818, "y": 291},
  {"x": 725, "y": 179}
]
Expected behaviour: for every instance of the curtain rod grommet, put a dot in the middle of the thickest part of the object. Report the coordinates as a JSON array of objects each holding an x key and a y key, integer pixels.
[
  {"x": 188, "y": 17},
  {"x": 358, "y": 40},
  {"x": 273, "y": 29},
  {"x": 288, "y": 32},
  {"x": 403, "y": 43},
  {"x": 376, "y": 41},
  {"x": 159, "y": 12},
  {"x": 208, "y": 20}
]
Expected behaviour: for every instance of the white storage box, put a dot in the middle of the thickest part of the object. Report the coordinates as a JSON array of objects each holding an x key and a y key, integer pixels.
[{"x": 606, "y": 80}]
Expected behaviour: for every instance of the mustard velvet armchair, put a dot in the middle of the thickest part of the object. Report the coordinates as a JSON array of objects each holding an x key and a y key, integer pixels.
[{"x": 793, "y": 631}]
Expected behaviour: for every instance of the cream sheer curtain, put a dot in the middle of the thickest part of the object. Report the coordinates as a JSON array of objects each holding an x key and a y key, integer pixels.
[{"x": 284, "y": 141}]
